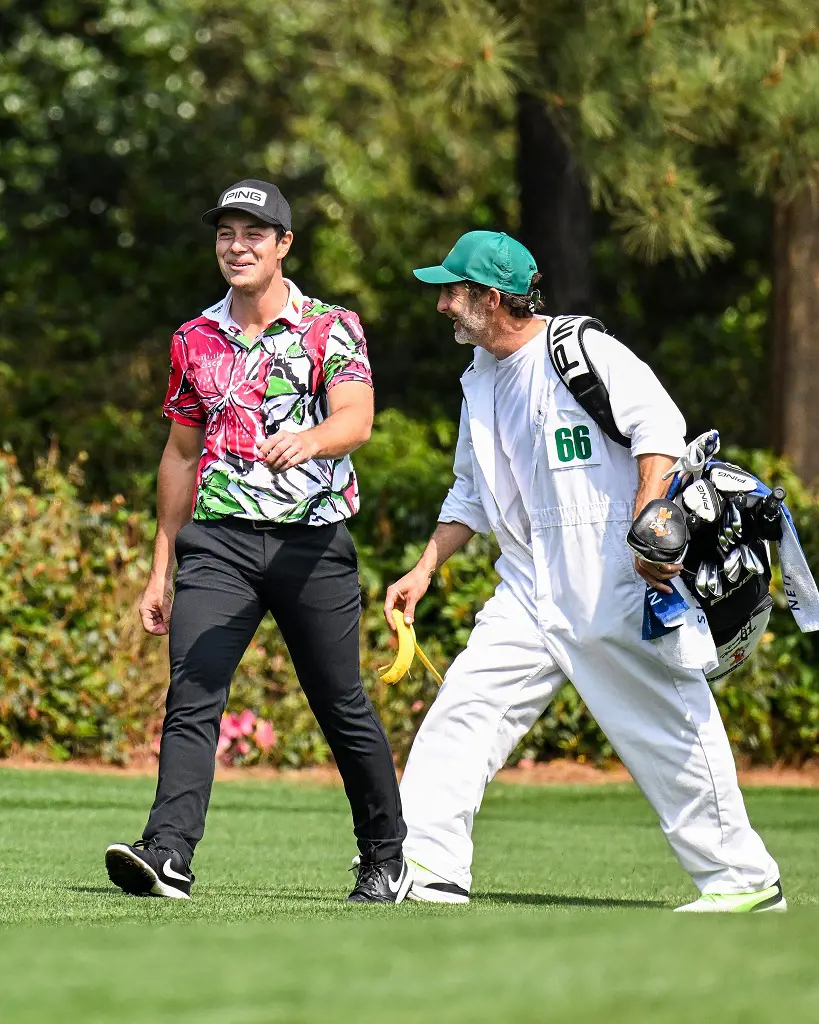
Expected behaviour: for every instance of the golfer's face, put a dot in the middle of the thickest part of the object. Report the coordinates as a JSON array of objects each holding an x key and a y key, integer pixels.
[
  {"x": 247, "y": 251},
  {"x": 452, "y": 301},
  {"x": 470, "y": 321}
]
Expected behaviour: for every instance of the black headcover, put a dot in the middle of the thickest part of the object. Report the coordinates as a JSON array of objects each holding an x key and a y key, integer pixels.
[{"x": 659, "y": 533}]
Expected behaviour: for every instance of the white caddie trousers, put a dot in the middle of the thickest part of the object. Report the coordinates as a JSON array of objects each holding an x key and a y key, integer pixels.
[{"x": 570, "y": 607}]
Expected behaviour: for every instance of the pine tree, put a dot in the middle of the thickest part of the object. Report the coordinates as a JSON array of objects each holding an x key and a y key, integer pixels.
[{"x": 619, "y": 105}]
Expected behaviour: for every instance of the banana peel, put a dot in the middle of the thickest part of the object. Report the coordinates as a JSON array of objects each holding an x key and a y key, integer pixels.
[{"x": 408, "y": 647}]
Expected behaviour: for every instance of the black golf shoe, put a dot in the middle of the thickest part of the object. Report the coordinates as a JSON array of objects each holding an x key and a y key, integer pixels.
[
  {"x": 386, "y": 882},
  {"x": 146, "y": 869}
]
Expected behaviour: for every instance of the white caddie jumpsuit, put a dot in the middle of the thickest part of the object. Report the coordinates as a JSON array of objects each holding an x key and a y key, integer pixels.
[{"x": 570, "y": 606}]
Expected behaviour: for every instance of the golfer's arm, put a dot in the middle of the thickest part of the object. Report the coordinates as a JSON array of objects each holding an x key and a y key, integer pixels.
[
  {"x": 650, "y": 485},
  {"x": 349, "y": 424},
  {"x": 444, "y": 542},
  {"x": 174, "y": 492}
]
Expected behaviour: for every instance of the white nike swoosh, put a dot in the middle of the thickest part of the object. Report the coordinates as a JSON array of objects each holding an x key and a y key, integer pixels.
[
  {"x": 169, "y": 871},
  {"x": 397, "y": 885}
]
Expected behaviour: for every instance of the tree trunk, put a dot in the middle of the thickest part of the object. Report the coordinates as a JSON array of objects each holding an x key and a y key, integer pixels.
[
  {"x": 795, "y": 322},
  {"x": 555, "y": 212}
]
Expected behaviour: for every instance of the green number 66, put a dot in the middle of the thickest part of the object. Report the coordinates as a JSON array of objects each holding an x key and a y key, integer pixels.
[{"x": 573, "y": 444}]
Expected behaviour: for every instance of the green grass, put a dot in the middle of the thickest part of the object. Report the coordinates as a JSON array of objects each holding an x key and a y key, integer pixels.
[{"x": 569, "y": 921}]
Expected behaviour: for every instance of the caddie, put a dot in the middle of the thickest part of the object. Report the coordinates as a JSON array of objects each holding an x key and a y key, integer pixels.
[
  {"x": 534, "y": 467},
  {"x": 269, "y": 392}
]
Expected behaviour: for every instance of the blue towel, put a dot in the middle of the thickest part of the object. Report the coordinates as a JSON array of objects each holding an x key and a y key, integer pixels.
[{"x": 662, "y": 612}]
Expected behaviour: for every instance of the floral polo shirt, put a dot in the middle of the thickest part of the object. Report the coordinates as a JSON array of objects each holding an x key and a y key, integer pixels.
[{"x": 243, "y": 390}]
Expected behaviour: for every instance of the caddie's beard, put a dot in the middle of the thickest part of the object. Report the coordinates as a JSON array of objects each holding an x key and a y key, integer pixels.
[{"x": 471, "y": 327}]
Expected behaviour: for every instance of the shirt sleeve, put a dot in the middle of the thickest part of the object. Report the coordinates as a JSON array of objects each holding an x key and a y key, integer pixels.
[
  {"x": 182, "y": 403},
  {"x": 643, "y": 410},
  {"x": 345, "y": 357},
  {"x": 462, "y": 504}
]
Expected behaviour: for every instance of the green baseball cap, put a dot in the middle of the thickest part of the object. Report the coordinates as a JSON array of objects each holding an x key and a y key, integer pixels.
[{"x": 491, "y": 258}]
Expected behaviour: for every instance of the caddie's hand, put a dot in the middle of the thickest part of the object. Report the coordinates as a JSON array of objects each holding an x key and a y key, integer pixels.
[
  {"x": 656, "y": 575},
  {"x": 284, "y": 450},
  {"x": 155, "y": 606},
  {"x": 406, "y": 593}
]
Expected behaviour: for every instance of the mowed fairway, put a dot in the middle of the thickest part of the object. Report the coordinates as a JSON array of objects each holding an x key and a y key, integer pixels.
[{"x": 570, "y": 920}]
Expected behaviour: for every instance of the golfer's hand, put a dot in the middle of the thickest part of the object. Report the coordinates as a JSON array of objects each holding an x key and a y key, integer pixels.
[
  {"x": 656, "y": 575},
  {"x": 155, "y": 607},
  {"x": 285, "y": 450},
  {"x": 406, "y": 593}
]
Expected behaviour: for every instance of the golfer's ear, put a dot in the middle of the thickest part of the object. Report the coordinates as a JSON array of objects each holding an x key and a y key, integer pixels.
[{"x": 493, "y": 299}]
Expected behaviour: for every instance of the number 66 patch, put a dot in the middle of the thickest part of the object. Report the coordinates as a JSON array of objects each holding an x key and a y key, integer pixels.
[{"x": 572, "y": 444}]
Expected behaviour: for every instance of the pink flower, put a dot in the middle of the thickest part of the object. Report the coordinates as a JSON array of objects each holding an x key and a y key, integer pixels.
[
  {"x": 243, "y": 747},
  {"x": 230, "y": 727},
  {"x": 265, "y": 736},
  {"x": 246, "y": 721},
  {"x": 155, "y": 744},
  {"x": 418, "y": 705},
  {"x": 222, "y": 745},
  {"x": 526, "y": 763}
]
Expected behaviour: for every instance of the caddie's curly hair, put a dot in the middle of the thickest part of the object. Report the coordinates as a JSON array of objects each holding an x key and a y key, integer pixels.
[{"x": 519, "y": 306}]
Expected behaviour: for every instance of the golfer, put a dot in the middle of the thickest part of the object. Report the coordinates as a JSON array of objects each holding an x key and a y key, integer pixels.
[
  {"x": 269, "y": 393},
  {"x": 532, "y": 466}
]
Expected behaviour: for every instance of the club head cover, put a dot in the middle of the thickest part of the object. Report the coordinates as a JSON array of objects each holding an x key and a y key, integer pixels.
[
  {"x": 746, "y": 502},
  {"x": 703, "y": 499},
  {"x": 729, "y": 479},
  {"x": 769, "y": 515},
  {"x": 659, "y": 533}
]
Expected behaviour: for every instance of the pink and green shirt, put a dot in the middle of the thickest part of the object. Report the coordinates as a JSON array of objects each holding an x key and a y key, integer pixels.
[{"x": 244, "y": 390}]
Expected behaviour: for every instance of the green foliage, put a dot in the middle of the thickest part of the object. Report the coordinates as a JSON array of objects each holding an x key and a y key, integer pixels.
[
  {"x": 120, "y": 122},
  {"x": 704, "y": 358},
  {"x": 644, "y": 92},
  {"x": 74, "y": 672},
  {"x": 391, "y": 128},
  {"x": 771, "y": 705},
  {"x": 78, "y": 675}
]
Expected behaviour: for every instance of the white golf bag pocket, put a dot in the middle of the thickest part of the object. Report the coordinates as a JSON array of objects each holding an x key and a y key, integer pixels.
[{"x": 736, "y": 650}]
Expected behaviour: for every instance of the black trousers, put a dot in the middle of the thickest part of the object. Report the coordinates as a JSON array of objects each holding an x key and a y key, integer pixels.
[{"x": 230, "y": 574}]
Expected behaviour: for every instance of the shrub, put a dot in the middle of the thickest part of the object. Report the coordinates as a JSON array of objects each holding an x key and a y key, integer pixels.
[{"x": 78, "y": 677}]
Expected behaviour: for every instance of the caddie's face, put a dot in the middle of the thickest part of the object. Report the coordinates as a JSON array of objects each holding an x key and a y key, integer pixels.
[
  {"x": 472, "y": 320},
  {"x": 247, "y": 251}
]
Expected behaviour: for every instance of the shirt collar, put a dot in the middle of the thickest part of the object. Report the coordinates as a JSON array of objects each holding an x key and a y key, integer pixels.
[{"x": 221, "y": 312}]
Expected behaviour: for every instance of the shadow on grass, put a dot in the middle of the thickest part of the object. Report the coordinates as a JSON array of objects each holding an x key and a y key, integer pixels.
[
  {"x": 101, "y": 890},
  {"x": 235, "y": 891},
  {"x": 538, "y": 899},
  {"x": 548, "y": 899},
  {"x": 272, "y": 893}
]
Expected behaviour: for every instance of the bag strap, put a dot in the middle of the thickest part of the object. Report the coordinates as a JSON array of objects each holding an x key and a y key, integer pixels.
[{"x": 564, "y": 341}]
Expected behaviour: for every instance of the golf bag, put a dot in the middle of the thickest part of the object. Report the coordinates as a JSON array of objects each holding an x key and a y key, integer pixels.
[
  {"x": 722, "y": 533},
  {"x": 727, "y": 564}
]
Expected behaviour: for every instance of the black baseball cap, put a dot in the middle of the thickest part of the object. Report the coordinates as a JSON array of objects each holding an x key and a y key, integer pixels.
[{"x": 258, "y": 198}]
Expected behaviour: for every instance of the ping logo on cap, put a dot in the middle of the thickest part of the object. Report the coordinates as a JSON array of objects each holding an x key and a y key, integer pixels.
[{"x": 244, "y": 195}]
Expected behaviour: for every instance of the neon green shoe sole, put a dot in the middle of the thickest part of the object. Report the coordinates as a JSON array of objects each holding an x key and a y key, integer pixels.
[{"x": 738, "y": 903}]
